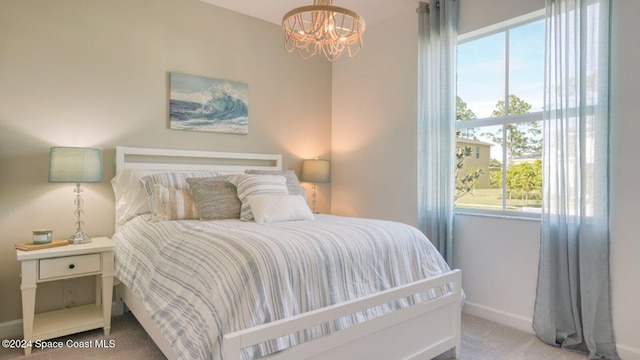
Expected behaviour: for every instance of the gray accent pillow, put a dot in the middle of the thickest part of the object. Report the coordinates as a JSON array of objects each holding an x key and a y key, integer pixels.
[
  {"x": 293, "y": 185},
  {"x": 215, "y": 198}
]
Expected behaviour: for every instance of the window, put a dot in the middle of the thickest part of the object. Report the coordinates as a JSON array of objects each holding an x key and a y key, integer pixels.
[{"x": 500, "y": 83}]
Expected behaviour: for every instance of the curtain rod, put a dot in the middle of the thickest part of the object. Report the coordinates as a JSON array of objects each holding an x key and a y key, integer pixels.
[{"x": 427, "y": 5}]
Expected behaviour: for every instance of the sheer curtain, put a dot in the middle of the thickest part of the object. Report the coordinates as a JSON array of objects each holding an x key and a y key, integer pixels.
[
  {"x": 573, "y": 304},
  {"x": 436, "y": 121}
]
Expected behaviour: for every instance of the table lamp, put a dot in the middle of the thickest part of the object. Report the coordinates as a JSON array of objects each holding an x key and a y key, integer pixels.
[
  {"x": 316, "y": 171},
  {"x": 76, "y": 165}
]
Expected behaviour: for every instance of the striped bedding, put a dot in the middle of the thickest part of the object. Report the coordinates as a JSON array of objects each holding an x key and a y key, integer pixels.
[{"x": 202, "y": 279}]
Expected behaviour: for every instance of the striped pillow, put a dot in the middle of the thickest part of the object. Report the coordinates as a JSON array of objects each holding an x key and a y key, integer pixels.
[
  {"x": 272, "y": 208},
  {"x": 293, "y": 185},
  {"x": 173, "y": 204},
  {"x": 176, "y": 180},
  {"x": 256, "y": 185}
]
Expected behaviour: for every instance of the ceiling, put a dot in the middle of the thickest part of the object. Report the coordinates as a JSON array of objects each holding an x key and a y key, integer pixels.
[{"x": 372, "y": 11}]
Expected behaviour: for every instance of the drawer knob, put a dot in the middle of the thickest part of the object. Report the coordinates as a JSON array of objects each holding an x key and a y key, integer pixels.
[{"x": 71, "y": 266}]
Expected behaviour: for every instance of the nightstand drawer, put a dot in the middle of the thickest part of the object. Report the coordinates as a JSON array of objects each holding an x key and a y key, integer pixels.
[{"x": 69, "y": 266}]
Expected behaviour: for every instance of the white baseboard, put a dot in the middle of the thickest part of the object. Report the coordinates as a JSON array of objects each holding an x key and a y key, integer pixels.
[
  {"x": 501, "y": 317},
  {"x": 11, "y": 329},
  {"x": 627, "y": 352},
  {"x": 525, "y": 324}
]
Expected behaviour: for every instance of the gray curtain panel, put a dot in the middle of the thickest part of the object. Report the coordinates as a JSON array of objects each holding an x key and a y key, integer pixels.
[
  {"x": 436, "y": 121},
  {"x": 573, "y": 303}
]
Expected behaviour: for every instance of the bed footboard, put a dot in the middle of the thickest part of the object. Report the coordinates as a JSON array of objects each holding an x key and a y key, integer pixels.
[{"x": 420, "y": 331}]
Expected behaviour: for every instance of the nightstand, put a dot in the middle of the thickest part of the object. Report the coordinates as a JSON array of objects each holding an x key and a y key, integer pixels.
[{"x": 66, "y": 262}]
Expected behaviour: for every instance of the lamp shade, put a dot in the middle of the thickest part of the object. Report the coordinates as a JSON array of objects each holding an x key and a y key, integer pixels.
[
  {"x": 75, "y": 165},
  {"x": 316, "y": 171}
]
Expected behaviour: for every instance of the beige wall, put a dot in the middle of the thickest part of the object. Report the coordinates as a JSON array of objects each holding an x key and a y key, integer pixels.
[
  {"x": 374, "y": 145},
  {"x": 374, "y": 124},
  {"x": 94, "y": 73},
  {"x": 625, "y": 172}
]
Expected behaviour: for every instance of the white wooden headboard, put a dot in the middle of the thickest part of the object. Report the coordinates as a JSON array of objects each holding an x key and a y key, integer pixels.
[{"x": 193, "y": 160}]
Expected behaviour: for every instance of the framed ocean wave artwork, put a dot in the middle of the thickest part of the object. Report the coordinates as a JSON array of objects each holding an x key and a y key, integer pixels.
[{"x": 199, "y": 103}]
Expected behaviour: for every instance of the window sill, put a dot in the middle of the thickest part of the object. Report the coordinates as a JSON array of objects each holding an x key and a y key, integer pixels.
[{"x": 509, "y": 215}]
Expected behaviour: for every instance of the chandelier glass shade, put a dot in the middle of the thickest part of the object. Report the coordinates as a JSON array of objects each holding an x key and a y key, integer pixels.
[{"x": 322, "y": 28}]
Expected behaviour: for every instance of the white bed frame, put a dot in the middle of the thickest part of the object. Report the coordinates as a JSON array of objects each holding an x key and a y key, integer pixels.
[{"x": 420, "y": 331}]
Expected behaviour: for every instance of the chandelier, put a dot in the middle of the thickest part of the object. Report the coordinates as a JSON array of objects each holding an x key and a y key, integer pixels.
[{"x": 322, "y": 28}]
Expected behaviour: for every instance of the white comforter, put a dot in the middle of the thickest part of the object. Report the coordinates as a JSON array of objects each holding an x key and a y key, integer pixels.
[{"x": 202, "y": 279}]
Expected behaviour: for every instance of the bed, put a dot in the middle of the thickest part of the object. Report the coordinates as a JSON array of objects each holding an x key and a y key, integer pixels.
[{"x": 302, "y": 286}]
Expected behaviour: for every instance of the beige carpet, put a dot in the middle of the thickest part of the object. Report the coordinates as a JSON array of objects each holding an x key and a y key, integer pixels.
[
  {"x": 486, "y": 340},
  {"x": 130, "y": 342},
  {"x": 481, "y": 340}
]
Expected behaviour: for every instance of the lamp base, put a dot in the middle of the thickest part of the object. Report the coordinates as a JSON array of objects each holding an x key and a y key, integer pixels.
[{"x": 79, "y": 238}]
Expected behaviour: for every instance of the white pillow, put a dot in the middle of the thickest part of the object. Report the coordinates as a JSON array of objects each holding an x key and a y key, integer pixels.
[
  {"x": 272, "y": 208},
  {"x": 293, "y": 184},
  {"x": 131, "y": 197},
  {"x": 247, "y": 185}
]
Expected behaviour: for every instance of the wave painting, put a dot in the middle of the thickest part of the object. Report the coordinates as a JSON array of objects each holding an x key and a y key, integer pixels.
[{"x": 203, "y": 104}]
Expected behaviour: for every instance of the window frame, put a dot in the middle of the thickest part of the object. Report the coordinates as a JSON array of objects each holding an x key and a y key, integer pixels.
[{"x": 501, "y": 27}]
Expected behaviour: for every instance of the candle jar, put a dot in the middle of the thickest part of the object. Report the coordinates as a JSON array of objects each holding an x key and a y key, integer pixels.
[{"x": 42, "y": 236}]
